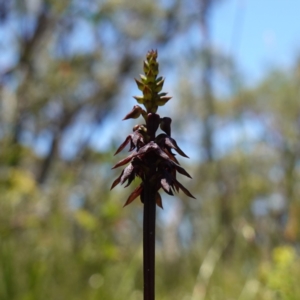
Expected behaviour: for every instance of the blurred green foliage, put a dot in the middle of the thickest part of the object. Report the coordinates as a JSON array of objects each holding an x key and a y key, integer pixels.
[{"x": 64, "y": 235}]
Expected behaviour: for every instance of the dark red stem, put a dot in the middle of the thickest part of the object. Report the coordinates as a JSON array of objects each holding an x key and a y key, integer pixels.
[{"x": 149, "y": 241}]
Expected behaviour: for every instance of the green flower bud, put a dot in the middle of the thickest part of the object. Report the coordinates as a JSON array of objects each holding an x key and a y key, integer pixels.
[
  {"x": 139, "y": 99},
  {"x": 139, "y": 84},
  {"x": 147, "y": 92},
  {"x": 146, "y": 67},
  {"x": 150, "y": 76},
  {"x": 159, "y": 85},
  {"x": 144, "y": 78},
  {"x": 162, "y": 100}
]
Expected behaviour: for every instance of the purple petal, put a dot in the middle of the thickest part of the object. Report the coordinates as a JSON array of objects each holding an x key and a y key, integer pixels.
[
  {"x": 127, "y": 172},
  {"x": 117, "y": 181},
  {"x": 134, "y": 195},
  {"x": 123, "y": 145},
  {"x": 125, "y": 160}
]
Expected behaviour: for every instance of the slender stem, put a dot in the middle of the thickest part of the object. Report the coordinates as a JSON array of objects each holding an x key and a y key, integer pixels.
[{"x": 149, "y": 242}]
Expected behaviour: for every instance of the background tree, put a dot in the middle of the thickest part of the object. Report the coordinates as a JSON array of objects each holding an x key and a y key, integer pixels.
[{"x": 65, "y": 69}]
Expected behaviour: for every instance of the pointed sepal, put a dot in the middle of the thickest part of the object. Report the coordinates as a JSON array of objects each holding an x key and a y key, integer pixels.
[
  {"x": 185, "y": 190},
  {"x": 139, "y": 99},
  {"x": 140, "y": 85},
  {"x": 146, "y": 67},
  {"x": 137, "y": 192},
  {"x": 125, "y": 160},
  {"x": 134, "y": 113},
  {"x": 158, "y": 200},
  {"x": 172, "y": 144},
  {"x": 159, "y": 85},
  {"x": 127, "y": 174},
  {"x": 182, "y": 171},
  {"x": 116, "y": 181},
  {"x": 165, "y": 140},
  {"x": 143, "y": 78},
  {"x": 166, "y": 186},
  {"x": 163, "y": 100},
  {"x": 123, "y": 145}
]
